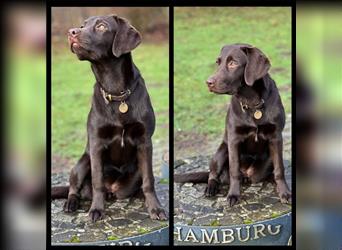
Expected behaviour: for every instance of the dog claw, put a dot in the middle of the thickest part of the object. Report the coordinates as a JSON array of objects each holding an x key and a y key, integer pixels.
[
  {"x": 211, "y": 189},
  {"x": 96, "y": 214},
  {"x": 71, "y": 205},
  {"x": 232, "y": 200},
  {"x": 158, "y": 214},
  {"x": 285, "y": 197}
]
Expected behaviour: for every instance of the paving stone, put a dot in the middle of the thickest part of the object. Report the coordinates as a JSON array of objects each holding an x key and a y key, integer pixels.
[
  {"x": 123, "y": 218},
  {"x": 258, "y": 201},
  {"x": 254, "y": 206}
]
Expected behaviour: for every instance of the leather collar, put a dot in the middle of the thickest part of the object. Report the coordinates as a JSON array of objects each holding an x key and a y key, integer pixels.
[
  {"x": 108, "y": 97},
  {"x": 245, "y": 106}
]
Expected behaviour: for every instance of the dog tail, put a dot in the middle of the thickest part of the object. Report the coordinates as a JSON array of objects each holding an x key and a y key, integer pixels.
[
  {"x": 196, "y": 177},
  {"x": 60, "y": 192}
]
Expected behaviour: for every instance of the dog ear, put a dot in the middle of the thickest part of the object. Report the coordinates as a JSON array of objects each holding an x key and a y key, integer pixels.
[
  {"x": 126, "y": 38},
  {"x": 257, "y": 64}
]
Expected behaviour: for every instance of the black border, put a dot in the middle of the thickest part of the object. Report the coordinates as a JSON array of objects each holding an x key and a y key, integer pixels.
[
  {"x": 170, "y": 4},
  {"x": 48, "y": 126},
  {"x": 171, "y": 127}
]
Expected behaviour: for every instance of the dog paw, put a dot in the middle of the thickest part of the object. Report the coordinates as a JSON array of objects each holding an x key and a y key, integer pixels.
[
  {"x": 157, "y": 214},
  {"x": 233, "y": 199},
  {"x": 284, "y": 192},
  {"x": 212, "y": 188},
  {"x": 285, "y": 196},
  {"x": 96, "y": 214},
  {"x": 71, "y": 204}
]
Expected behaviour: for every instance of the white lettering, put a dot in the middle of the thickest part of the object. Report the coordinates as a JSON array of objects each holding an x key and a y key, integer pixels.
[
  {"x": 269, "y": 227},
  {"x": 213, "y": 237},
  {"x": 191, "y": 235},
  {"x": 227, "y": 235},
  {"x": 257, "y": 231},
  {"x": 178, "y": 233},
  {"x": 126, "y": 243},
  {"x": 239, "y": 233}
]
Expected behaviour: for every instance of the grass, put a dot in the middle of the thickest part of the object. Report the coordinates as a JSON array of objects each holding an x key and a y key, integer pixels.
[
  {"x": 215, "y": 223},
  {"x": 72, "y": 87},
  {"x": 189, "y": 222},
  {"x": 164, "y": 181},
  {"x": 319, "y": 56},
  {"x": 112, "y": 237},
  {"x": 199, "y": 34},
  {"x": 74, "y": 239},
  {"x": 275, "y": 215},
  {"x": 143, "y": 230}
]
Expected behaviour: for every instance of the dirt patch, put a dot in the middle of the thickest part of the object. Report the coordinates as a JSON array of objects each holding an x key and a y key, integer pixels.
[
  {"x": 61, "y": 164},
  {"x": 278, "y": 70},
  {"x": 155, "y": 85},
  {"x": 157, "y": 33},
  {"x": 285, "y": 88},
  {"x": 189, "y": 144}
]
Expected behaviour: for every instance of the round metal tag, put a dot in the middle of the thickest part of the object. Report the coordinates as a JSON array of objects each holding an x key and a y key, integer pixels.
[
  {"x": 123, "y": 108},
  {"x": 257, "y": 114}
]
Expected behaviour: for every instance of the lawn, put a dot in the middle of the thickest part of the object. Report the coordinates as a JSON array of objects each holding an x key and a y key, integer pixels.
[
  {"x": 72, "y": 87},
  {"x": 319, "y": 55},
  {"x": 199, "y": 34}
]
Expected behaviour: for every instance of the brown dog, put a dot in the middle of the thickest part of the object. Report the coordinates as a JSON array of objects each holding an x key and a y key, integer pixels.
[
  {"x": 252, "y": 143},
  {"x": 121, "y": 122}
]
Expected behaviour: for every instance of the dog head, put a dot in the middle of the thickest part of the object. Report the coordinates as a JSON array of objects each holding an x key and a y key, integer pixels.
[
  {"x": 103, "y": 37},
  {"x": 238, "y": 64}
]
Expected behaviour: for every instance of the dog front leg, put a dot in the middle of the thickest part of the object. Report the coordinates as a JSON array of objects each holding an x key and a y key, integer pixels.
[
  {"x": 145, "y": 167},
  {"x": 217, "y": 165},
  {"x": 276, "y": 152},
  {"x": 234, "y": 171},
  {"x": 77, "y": 176},
  {"x": 96, "y": 211}
]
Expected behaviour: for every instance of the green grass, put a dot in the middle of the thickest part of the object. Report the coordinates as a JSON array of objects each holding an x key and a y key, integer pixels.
[
  {"x": 199, "y": 34},
  {"x": 319, "y": 56},
  {"x": 215, "y": 223},
  {"x": 247, "y": 221},
  {"x": 189, "y": 222},
  {"x": 26, "y": 103},
  {"x": 74, "y": 239},
  {"x": 275, "y": 215},
  {"x": 112, "y": 237},
  {"x": 142, "y": 230},
  {"x": 72, "y": 88},
  {"x": 164, "y": 181}
]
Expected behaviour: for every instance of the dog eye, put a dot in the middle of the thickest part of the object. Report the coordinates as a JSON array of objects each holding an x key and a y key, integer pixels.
[
  {"x": 101, "y": 27},
  {"x": 218, "y": 61},
  {"x": 232, "y": 64}
]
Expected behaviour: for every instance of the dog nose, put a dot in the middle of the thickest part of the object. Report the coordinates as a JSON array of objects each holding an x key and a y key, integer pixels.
[
  {"x": 74, "y": 32},
  {"x": 211, "y": 81}
]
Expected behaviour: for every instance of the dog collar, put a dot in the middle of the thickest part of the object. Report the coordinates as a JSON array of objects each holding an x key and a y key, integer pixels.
[
  {"x": 257, "y": 113},
  {"x": 117, "y": 98},
  {"x": 108, "y": 97}
]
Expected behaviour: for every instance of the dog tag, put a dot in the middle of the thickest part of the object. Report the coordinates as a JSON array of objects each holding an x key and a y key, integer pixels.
[
  {"x": 257, "y": 114},
  {"x": 123, "y": 108}
]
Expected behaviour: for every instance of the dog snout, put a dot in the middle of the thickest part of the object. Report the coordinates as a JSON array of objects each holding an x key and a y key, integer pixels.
[
  {"x": 211, "y": 82},
  {"x": 74, "y": 32}
]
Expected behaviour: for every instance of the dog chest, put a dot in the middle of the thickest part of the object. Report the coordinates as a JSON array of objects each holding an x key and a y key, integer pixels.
[
  {"x": 120, "y": 142},
  {"x": 127, "y": 134},
  {"x": 254, "y": 139}
]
